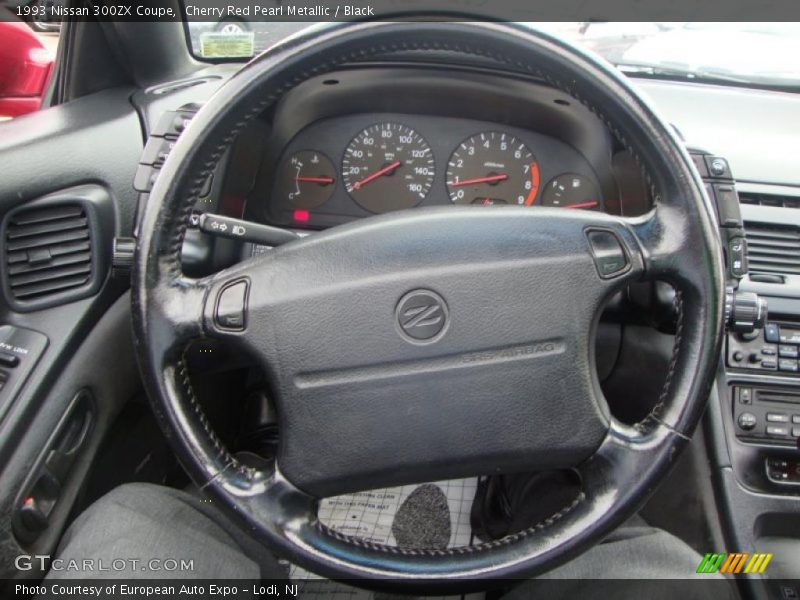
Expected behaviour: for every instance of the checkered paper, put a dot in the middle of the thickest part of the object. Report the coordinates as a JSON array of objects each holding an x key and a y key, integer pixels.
[{"x": 369, "y": 516}]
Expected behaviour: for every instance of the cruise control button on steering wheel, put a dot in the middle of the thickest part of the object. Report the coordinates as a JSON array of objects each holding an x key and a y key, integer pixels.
[
  {"x": 231, "y": 305},
  {"x": 609, "y": 255}
]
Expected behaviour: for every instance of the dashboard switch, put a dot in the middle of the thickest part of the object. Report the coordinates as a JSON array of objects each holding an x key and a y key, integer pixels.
[
  {"x": 777, "y": 417},
  {"x": 171, "y": 124},
  {"x": 772, "y": 332},
  {"x": 737, "y": 250},
  {"x": 231, "y": 305},
  {"x": 777, "y": 430},
  {"x": 9, "y": 360},
  {"x": 718, "y": 167},
  {"x": 747, "y": 421},
  {"x": 245, "y": 231},
  {"x": 609, "y": 255},
  {"x": 728, "y": 205}
]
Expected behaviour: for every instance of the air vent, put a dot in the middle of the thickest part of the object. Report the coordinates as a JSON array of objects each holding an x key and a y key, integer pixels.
[
  {"x": 773, "y": 249},
  {"x": 769, "y": 200},
  {"x": 48, "y": 251}
]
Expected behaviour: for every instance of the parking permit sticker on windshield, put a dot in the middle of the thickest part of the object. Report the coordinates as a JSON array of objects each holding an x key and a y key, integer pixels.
[{"x": 227, "y": 45}]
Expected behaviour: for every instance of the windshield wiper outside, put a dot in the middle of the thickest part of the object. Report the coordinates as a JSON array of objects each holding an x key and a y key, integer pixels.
[{"x": 649, "y": 70}]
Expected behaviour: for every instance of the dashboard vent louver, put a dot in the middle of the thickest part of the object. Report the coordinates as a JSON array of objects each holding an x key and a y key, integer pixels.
[
  {"x": 773, "y": 249},
  {"x": 769, "y": 200},
  {"x": 48, "y": 251}
]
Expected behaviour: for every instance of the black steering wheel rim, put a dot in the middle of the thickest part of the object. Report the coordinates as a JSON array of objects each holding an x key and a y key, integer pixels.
[{"x": 676, "y": 242}]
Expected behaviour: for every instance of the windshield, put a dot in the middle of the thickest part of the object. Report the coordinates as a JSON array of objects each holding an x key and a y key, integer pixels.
[{"x": 754, "y": 54}]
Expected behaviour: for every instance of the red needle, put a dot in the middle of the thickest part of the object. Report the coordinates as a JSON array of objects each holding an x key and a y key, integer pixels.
[
  {"x": 589, "y": 204},
  {"x": 488, "y": 179},
  {"x": 387, "y": 169},
  {"x": 315, "y": 179}
]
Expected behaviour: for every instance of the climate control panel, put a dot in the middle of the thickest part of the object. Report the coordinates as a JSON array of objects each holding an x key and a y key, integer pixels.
[{"x": 776, "y": 348}]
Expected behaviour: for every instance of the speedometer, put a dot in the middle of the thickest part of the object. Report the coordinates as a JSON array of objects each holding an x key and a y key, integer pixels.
[
  {"x": 388, "y": 167},
  {"x": 492, "y": 168}
]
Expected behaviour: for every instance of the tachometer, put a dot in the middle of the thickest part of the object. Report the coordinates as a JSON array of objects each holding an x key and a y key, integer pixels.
[
  {"x": 388, "y": 167},
  {"x": 492, "y": 168}
]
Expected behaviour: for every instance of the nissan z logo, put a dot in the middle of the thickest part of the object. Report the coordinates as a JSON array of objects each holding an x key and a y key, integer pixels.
[{"x": 421, "y": 316}]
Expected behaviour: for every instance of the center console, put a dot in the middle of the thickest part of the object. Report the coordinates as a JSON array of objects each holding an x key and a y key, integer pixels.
[{"x": 753, "y": 422}]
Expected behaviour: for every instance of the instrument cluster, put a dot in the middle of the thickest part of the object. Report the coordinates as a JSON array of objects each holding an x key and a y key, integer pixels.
[{"x": 337, "y": 170}]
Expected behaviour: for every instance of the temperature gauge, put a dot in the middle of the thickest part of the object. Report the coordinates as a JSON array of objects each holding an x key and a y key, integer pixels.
[
  {"x": 306, "y": 179},
  {"x": 570, "y": 190}
]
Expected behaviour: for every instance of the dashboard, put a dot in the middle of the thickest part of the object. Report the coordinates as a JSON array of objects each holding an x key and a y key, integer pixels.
[
  {"x": 372, "y": 140},
  {"x": 355, "y": 166},
  {"x": 443, "y": 111}
]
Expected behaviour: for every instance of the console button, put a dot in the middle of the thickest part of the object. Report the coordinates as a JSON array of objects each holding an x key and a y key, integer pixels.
[
  {"x": 171, "y": 124},
  {"x": 145, "y": 178},
  {"x": 231, "y": 306},
  {"x": 788, "y": 364},
  {"x": 180, "y": 122},
  {"x": 795, "y": 431},
  {"x": 789, "y": 336},
  {"x": 768, "y": 364},
  {"x": 777, "y": 418},
  {"x": 796, "y": 419},
  {"x": 609, "y": 256},
  {"x": 737, "y": 254},
  {"x": 718, "y": 167},
  {"x": 747, "y": 421},
  {"x": 728, "y": 206},
  {"x": 156, "y": 151},
  {"x": 777, "y": 430},
  {"x": 745, "y": 395},
  {"x": 787, "y": 351},
  {"x": 772, "y": 333},
  {"x": 770, "y": 351},
  {"x": 9, "y": 360}
]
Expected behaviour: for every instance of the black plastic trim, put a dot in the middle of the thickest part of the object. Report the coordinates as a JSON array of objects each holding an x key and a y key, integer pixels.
[{"x": 99, "y": 209}]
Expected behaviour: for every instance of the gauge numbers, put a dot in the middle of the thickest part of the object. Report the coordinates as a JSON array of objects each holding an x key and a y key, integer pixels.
[
  {"x": 492, "y": 168},
  {"x": 388, "y": 167}
]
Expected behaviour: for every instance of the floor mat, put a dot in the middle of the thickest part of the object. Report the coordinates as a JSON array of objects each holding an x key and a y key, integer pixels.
[{"x": 372, "y": 515}]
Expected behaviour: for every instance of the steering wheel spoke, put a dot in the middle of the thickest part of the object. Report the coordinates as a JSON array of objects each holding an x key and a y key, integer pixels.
[{"x": 228, "y": 299}]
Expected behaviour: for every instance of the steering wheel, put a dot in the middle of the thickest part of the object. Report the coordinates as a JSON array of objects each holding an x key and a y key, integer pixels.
[{"x": 432, "y": 343}]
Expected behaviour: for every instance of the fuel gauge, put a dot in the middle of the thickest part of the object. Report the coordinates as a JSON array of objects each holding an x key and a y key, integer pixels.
[
  {"x": 306, "y": 179},
  {"x": 570, "y": 190}
]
